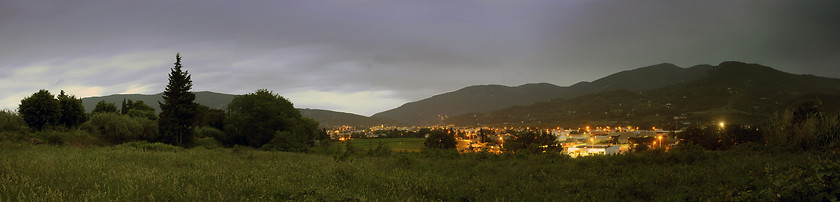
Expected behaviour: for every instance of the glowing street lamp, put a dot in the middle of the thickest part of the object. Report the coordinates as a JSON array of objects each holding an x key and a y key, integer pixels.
[
  {"x": 721, "y": 124},
  {"x": 660, "y": 141}
]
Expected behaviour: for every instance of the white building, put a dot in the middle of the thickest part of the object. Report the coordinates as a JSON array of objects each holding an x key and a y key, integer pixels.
[{"x": 589, "y": 150}]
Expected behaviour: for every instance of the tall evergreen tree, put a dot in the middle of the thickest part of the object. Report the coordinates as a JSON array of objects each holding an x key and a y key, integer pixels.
[
  {"x": 177, "y": 115},
  {"x": 124, "y": 108},
  {"x": 72, "y": 111}
]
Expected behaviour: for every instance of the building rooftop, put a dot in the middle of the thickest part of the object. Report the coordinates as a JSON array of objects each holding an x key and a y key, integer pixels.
[{"x": 595, "y": 146}]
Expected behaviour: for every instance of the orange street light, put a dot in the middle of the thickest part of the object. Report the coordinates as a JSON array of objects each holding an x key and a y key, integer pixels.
[{"x": 660, "y": 140}]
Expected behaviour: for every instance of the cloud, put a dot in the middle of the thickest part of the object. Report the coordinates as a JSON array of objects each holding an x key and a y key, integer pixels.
[
  {"x": 392, "y": 50},
  {"x": 141, "y": 72}
]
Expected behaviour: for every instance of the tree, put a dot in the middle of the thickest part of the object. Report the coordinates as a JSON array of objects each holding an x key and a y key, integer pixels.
[
  {"x": 104, "y": 107},
  {"x": 532, "y": 141},
  {"x": 40, "y": 110},
  {"x": 72, "y": 111},
  {"x": 258, "y": 118},
  {"x": 440, "y": 139},
  {"x": 124, "y": 107},
  {"x": 210, "y": 117},
  {"x": 117, "y": 129},
  {"x": 140, "y": 109},
  {"x": 177, "y": 115},
  {"x": 11, "y": 122}
]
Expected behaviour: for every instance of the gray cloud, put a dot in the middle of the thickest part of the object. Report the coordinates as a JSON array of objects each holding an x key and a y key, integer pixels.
[{"x": 393, "y": 51}]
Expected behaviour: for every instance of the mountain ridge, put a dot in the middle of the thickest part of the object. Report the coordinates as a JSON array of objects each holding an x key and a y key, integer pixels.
[
  {"x": 731, "y": 91},
  {"x": 435, "y": 109}
]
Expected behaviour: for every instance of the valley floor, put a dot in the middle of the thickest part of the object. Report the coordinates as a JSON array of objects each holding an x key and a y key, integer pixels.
[{"x": 123, "y": 173}]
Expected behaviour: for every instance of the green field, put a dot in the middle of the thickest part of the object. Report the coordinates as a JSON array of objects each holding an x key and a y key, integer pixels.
[
  {"x": 396, "y": 144},
  {"x": 161, "y": 172}
]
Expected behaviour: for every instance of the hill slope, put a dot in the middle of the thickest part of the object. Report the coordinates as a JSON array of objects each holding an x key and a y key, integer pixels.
[
  {"x": 470, "y": 99},
  {"x": 731, "y": 92},
  {"x": 486, "y": 98},
  {"x": 333, "y": 119}
]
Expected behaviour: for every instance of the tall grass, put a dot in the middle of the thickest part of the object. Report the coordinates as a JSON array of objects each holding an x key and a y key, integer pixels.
[
  {"x": 130, "y": 172},
  {"x": 815, "y": 131}
]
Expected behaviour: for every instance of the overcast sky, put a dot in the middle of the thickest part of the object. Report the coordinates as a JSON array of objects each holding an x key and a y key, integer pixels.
[{"x": 367, "y": 56}]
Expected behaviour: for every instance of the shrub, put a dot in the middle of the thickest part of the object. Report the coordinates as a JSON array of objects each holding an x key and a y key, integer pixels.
[
  {"x": 256, "y": 118},
  {"x": 531, "y": 142},
  {"x": 11, "y": 122},
  {"x": 440, "y": 139},
  {"x": 207, "y": 131},
  {"x": 380, "y": 150},
  {"x": 207, "y": 143},
  {"x": 117, "y": 129},
  {"x": 286, "y": 141},
  {"x": 789, "y": 129},
  {"x": 40, "y": 110},
  {"x": 146, "y": 146}
]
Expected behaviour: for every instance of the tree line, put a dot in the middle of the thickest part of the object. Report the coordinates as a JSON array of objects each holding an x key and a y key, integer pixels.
[{"x": 261, "y": 119}]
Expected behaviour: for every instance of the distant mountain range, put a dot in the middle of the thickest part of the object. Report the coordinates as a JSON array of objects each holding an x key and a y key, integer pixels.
[
  {"x": 733, "y": 92},
  {"x": 326, "y": 118},
  {"x": 480, "y": 99},
  {"x": 653, "y": 95},
  {"x": 209, "y": 99}
]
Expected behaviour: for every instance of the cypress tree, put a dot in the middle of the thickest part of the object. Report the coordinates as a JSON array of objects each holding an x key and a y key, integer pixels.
[
  {"x": 124, "y": 108},
  {"x": 177, "y": 115}
]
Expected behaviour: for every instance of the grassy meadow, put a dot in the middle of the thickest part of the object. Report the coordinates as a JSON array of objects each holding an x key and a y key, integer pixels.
[
  {"x": 395, "y": 144},
  {"x": 143, "y": 171}
]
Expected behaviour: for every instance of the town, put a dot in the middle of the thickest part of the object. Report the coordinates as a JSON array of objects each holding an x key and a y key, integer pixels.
[{"x": 575, "y": 142}]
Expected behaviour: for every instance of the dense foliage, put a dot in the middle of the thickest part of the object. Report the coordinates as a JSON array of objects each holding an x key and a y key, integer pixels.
[
  {"x": 440, "y": 139},
  {"x": 793, "y": 129},
  {"x": 531, "y": 141},
  {"x": 262, "y": 117},
  {"x": 72, "y": 111},
  {"x": 115, "y": 128},
  {"x": 138, "y": 109},
  {"x": 40, "y": 110},
  {"x": 207, "y": 116},
  {"x": 104, "y": 107},
  {"x": 177, "y": 116},
  {"x": 11, "y": 122}
]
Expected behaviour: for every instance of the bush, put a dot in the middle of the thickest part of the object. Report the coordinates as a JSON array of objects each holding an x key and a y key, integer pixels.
[
  {"x": 531, "y": 142},
  {"x": 146, "y": 146},
  {"x": 117, "y": 129},
  {"x": 207, "y": 131},
  {"x": 40, "y": 110},
  {"x": 257, "y": 118},
  {"x": 440, "y": 139},
  {"x": 11, "y": 122},
  {"x": 207, "y": 143},
  {"x": 792, "y": 130},
  {"x": 286, "y": 141},
  {"x": 380, "y": 150}
]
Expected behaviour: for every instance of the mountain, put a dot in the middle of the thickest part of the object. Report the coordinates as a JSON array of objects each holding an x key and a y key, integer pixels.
[
  {"x": 206, "y": 98},
  {"x": 645, "y": 78},
  {"x": 733, "y": 92},
  {"x": 471, "y": 99},
  {"x": 326, "y": 118},
  {"x": 486, "y": 98}
]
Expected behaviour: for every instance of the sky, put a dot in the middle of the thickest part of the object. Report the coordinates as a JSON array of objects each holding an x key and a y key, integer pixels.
[{"x": 368, "y": 56}]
